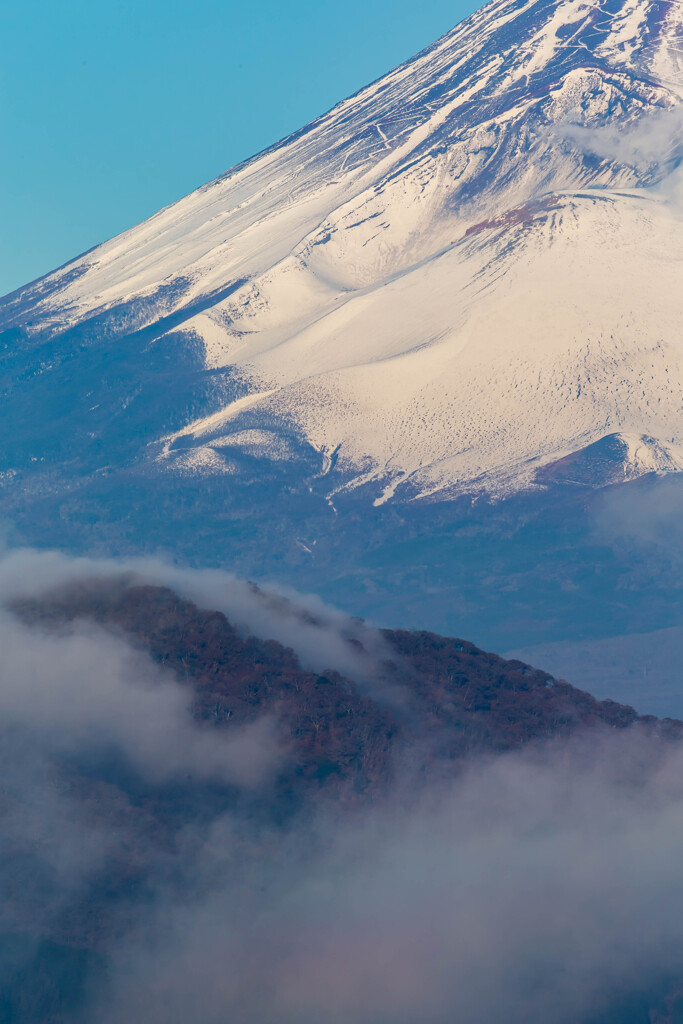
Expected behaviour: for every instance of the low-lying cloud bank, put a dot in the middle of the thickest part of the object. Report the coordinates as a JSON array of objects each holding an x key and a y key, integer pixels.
[{"x": 538, "y": 886}]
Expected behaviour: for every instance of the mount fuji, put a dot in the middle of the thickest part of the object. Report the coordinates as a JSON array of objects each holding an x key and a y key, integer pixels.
[{"x": 446, "y": 308}]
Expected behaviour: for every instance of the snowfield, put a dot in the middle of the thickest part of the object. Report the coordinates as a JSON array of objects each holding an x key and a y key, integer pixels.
[{"x": 450, "y": 282}]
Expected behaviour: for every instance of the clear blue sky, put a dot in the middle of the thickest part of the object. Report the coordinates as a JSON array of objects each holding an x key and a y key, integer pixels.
[{"x": 110, "y": 109}]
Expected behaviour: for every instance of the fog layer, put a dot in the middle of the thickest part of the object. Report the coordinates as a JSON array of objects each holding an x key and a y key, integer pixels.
[{"x": 544, "y": 885}]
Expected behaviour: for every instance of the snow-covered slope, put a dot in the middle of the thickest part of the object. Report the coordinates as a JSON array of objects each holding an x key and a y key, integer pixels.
[
  {"x": 518, "y": 344},
  {"x": 454, "y": 280}
]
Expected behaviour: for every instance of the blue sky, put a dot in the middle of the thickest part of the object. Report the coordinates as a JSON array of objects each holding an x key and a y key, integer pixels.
[{"x": 111, "y": 109}]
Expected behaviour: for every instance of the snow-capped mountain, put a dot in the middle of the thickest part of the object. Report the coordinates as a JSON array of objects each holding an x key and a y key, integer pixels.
[
  {"x": 460, "y": 276},
  {"x": 325, "y": 367}
]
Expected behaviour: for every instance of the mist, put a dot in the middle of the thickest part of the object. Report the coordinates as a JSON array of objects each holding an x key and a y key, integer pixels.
[
  {"x": 88, "y": 690},
  {"x": 538, "y": 887},
  {"x": 640, "y": 524},
  {"x": 322, "y": 636},
  {"x": 535, "y": 886},
  {"x": 648, "y": 515}
]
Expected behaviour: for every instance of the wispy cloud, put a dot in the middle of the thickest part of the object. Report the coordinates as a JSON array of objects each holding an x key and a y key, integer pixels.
[
  {"x": 322, "y": 636},
  {"x": 652, "y": 146}
]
